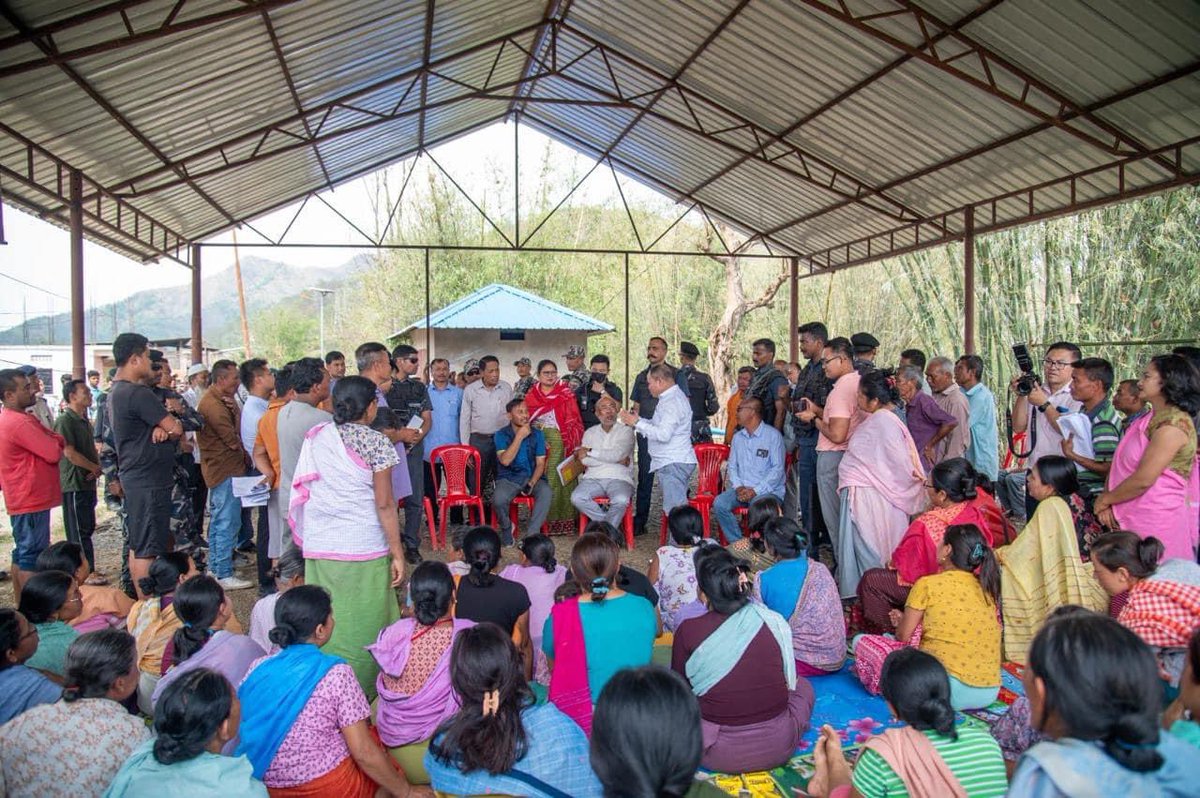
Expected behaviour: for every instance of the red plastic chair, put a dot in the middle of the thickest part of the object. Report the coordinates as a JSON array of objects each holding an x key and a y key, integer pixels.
[
  {"x": 455, "y": 458},
  {"x": 709, "y": 457},
  {"x": 428, "y": 507},
  {"x": 520, "y": 501},
  {"x": 626, "y": 522}
]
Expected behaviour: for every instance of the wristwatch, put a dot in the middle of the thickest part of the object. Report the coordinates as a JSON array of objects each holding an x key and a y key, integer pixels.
[{"x": 1044, "y": 406}]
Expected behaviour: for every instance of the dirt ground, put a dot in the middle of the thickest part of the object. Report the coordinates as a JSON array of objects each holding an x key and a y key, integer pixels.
[{"x": 107, "y": 543}]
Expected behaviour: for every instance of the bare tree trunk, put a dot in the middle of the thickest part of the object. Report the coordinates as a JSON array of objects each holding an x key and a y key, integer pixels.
[{"x": 737, "y": 306}]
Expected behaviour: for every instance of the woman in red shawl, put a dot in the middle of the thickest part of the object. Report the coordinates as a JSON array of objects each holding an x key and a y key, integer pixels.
[
  {"x": 951, "y": 487},
  {"x": 554, "y": 410}
]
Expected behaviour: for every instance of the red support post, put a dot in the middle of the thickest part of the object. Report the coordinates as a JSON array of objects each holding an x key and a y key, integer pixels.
[
  {"x": 197, "y": 320},
  {"x": 969, "y": 280},
  {"x": 78, "y": 366}
]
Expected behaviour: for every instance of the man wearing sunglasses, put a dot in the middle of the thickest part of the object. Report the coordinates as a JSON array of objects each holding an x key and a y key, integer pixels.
[
  {"x": 1045, "y": 403},
  {"x": 409, "y": 398}
]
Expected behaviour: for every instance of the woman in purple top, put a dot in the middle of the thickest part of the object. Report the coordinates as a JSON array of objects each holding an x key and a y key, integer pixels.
[
  {"x": 927, "y": 422},
  {"x": 541, "y": 575},
  {"x": 202, "y": 642}
]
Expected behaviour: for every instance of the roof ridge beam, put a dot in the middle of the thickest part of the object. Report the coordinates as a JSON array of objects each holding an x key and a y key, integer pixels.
[{"x": 555, "y": 10}]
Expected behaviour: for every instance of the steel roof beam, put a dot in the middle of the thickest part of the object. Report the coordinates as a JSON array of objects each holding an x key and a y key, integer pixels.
[
  {"x": 555, "y": 10},
  {"x": 315, "y": 111},
  {"x": 987, "y": 64},
  {"x": 1029, "y": 197},
  {"x": 45, "y": 33},
  {"x": 1132, "y": 91},
  {"x": 426, "y": 49},
  {"x": 291, "y": 85},
  {"x": 849, "y": 92}
]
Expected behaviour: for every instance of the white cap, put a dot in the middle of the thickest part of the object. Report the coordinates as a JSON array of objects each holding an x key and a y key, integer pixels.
[{"x": 196, "y": 368}]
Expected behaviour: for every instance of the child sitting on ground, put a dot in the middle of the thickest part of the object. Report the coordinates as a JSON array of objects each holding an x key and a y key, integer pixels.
[
  {"x": 671, "y": 570},
  {"x": 288, "y": 573},
  {"x": 541, "y": 575}
]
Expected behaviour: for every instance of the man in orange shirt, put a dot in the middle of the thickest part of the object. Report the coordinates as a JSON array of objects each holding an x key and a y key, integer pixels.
[{"x": 743, "y": 382}]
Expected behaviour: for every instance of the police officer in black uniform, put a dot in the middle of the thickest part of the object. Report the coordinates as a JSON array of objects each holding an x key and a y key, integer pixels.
[
  {"x": 702, "y": 394},
  {"x": 408, "y": 398}
]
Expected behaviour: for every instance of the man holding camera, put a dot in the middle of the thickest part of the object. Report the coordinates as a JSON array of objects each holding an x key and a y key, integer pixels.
[
  {"x": 521, "y": 469},
  {"x": 1046, "y": 400}
]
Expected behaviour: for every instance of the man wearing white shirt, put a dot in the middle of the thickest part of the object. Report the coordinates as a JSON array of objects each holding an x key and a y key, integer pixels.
[
  {"x": 755, "y": 466},
  {"x": 482, "y": 414},
  {"x": 1047, "y": 401},
  {"x": 668, "y": 435},
  {"x": 607, "y": 453}
]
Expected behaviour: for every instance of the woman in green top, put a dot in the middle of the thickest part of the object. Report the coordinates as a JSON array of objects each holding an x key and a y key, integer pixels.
[
  {"x": 928, "y": 757},
  {"x": 646, "y": 739},
  {"x": 50, "y": 601},
  {"x": 1181, "y": 716}
]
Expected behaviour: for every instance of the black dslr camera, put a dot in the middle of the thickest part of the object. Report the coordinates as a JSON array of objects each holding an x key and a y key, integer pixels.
[{"x": 1029, "y": 378}]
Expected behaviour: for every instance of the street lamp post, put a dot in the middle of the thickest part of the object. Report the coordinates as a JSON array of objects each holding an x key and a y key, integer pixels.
[{"x": 321, "y": 292}]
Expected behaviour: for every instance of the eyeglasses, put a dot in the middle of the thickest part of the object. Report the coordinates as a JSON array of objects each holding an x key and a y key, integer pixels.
[
  {"x": 1057, "y": 364},
  {"x": 413, "y": 359},
  {"x": 33, "y": 630},
  {"x": 549, "y": 373}
]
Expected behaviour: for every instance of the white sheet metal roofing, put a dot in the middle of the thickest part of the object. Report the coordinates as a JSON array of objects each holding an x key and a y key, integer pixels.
[
  {"x": 835, "y": 130},
  {"x": 502, "y": 307}
]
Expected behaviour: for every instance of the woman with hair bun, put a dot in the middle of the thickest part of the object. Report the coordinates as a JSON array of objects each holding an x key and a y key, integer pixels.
[
  {"x": 930, "y": 756},
  {"x": 541, "y": 575},
  {"x": 500, "y": 741},
  {"x": 957, "y": 611},
  {"x": 415, "y": 693},
  {"x": 194, "y": 719},
  {"x": 949, "y": 489},
  {"x": 738, "y": 658},
  {"x": 77, "y": 745},
  {"x": 202, "y": 640},
  {"x": 484, "y": 597},
  {"x": 588, "y": 639},
  {"x": 802, "y": 590},
  {"x": 1154, "y": 483},
  {"x": 288, "y": 573},
  {"x": 1093, "y": 688},
  {"x": 153, "y": 621},
  {"x": 1042, "y": 569},
  {"x": 1163, "y": 600},
  {"x": 880, "y": 482},
  {"x": 343, "y": 516},
  {"x": 305, "y": 723}
]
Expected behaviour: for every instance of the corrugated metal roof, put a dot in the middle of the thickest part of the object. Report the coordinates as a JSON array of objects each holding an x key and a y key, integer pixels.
[
  {"x": 502, "y": 307},
  {"x": 815, "y": 125}
]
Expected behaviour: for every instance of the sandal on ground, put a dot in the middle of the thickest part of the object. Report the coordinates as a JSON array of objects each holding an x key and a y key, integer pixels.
[{"x": 96, "y": 580}]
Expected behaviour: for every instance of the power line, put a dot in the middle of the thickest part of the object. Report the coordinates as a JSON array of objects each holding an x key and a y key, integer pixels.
[{"x": 35, "y": 287}]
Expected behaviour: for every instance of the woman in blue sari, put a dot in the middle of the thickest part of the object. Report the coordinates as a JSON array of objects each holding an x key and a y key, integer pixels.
[
  {"x": 1093, "y": 689},
  {"x": 305, "y": 726},
  {"x": 803, "y": 591}
]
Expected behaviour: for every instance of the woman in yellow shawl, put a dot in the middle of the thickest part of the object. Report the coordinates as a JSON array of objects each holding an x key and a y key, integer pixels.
[{"x": 1042, "y": 569}]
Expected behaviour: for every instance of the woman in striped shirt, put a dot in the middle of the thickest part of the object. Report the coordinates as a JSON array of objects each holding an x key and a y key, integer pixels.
[{"x": 929, "y": 756}]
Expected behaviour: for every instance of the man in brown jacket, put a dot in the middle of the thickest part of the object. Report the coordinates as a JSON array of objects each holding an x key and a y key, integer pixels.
[{"x": 221, "y": 459}]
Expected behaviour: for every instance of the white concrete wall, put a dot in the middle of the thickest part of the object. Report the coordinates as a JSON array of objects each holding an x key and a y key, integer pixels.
[{"x": 459, "y": 345}]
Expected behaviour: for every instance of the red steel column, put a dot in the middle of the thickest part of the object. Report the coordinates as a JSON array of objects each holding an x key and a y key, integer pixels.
[{"x": 794, "y": 312}]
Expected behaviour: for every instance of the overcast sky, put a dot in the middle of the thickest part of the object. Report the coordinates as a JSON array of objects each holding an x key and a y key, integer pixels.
[{"x": 37, "y": 253}]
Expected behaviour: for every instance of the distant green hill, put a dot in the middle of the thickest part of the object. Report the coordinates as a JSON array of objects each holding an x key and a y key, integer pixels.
[{"x": 165, "y": 313}]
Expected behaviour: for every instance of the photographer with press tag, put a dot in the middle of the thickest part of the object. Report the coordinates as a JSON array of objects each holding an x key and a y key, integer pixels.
[{"x": 1043, "y": 399}]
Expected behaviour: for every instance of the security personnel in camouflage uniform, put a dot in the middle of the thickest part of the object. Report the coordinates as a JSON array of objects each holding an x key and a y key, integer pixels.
[
  {"x": 185, "y": 527},
  {"x": 579, "y": 375},
  {"x": 702, "y": 394},
  {"x": 114, "y": 496},
  {"x": 524, "y": 381}
]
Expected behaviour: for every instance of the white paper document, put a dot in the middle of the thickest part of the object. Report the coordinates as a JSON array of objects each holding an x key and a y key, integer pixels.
[
  {"x": 1078, "y": 427},
  {"x": 415, "y": 422},
  {"x": 252, "y": 491}
]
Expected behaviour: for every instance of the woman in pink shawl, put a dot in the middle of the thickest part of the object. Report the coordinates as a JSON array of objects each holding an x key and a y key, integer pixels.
[
  {"x": 880, "y": 480},
  {"x": 1154, "y": 482},
  {"x": 415, "y": 694}
]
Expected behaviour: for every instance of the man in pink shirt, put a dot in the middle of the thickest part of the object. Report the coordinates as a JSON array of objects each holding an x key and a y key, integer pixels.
[
  {"x": 29, "y": 455},
  {"x": 835, "y": 422}
]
